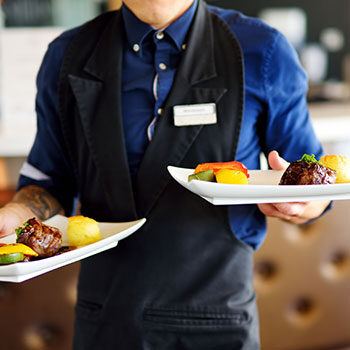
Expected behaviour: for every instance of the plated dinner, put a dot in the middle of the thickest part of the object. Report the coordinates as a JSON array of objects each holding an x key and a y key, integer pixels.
[
  {"x": 266, "y": 186},
  {"x": 55, "y": 251}
]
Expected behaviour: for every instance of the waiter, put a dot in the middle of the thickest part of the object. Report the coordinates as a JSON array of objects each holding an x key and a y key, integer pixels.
[{"x": 107, "y": 129}]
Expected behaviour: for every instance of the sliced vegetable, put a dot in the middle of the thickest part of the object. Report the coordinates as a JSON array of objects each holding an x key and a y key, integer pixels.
[
  {"x": 11, "y": 253},
  {"x": 17, "y": 248},
  {"x": 229, "y": 176},
  {"x": 233, "y": 165},
  {"x": 11, "y": 258},
  {"x": 207, "y": 175}
]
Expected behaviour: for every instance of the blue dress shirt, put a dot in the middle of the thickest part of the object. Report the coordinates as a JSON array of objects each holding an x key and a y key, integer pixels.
[
  {"x": 275, "y": 114},
  {"x": 150, "y": 60}
]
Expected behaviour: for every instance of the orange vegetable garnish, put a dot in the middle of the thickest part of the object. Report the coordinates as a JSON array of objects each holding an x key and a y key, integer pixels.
[{"x": 233, "y": 165}]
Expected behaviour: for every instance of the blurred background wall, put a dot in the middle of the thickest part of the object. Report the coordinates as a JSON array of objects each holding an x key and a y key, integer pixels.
[{"x": 302, "y": 274}]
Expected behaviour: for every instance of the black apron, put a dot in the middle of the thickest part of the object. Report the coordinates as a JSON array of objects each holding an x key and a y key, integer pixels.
[{"x": 183, "y": 281}]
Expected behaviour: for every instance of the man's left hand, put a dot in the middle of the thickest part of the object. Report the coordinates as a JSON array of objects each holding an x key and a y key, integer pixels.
[{"x": 296, "y": 212}]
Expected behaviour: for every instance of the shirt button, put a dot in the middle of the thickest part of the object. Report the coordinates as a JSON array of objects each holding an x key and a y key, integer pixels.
[
  {"x": 136, "y": 47},
  {"x": 160, "y": 35},
  {"x": 184, "y": 46},
  {"x": 162, "y": 66},
  {"x": 160, "y": 111}
]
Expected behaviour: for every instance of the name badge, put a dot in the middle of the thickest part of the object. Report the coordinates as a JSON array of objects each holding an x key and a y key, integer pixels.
[{"x": 199, "y": 114}]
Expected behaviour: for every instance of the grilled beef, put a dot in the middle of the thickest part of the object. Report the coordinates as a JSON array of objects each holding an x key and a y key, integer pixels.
[
  {"x": 43, "y": 239},
  {"x": 306, "y": 173}
]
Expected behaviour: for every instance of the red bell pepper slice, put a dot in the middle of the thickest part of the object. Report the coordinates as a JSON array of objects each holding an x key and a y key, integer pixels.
[{"x": 234, "y": 165}]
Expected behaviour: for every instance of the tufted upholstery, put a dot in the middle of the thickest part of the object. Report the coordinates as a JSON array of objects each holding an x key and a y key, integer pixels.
[
  {"x": 38, "y": 314},
  {"x": 302, "y": 278}
]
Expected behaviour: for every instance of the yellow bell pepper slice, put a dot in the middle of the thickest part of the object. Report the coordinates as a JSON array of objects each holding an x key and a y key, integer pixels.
[
  {"x": 234, "y": 177},
  {"x": 17, "y": 248}
]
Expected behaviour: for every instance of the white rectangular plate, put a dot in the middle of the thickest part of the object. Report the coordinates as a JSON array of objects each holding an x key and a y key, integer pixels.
[
  {"x": 262, "y": 188},
  {"x": 111, "y": 234}
]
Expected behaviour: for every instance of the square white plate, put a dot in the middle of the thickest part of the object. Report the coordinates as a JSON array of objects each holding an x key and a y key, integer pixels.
[
  {"x": 262, "y": 188},
  {"x": 111, "y": 234}
]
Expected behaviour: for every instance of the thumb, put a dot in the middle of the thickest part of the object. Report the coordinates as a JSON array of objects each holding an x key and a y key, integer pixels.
[{"x": 276, "y": 162}]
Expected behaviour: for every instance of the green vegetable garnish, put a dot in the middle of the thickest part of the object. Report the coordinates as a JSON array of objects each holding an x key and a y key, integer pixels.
[
  {"x": 207, "y": 175},
  {"x": 18, "y": 231},
  {"x": 309, "y": 158}
]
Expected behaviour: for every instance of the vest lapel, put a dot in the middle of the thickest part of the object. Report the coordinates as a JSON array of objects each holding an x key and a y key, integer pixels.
[
  {"x": 193, "y": 84},
  {"x": 204, "y": 76},
  {"x": 98, "y": 95}
]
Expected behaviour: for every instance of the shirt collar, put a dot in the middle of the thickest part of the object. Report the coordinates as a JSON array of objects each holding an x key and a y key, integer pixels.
[{"x": 136, "y": 30}]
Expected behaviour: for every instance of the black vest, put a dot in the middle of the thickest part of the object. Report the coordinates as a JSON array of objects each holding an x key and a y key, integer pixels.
[{"x": 183, "y": 281}]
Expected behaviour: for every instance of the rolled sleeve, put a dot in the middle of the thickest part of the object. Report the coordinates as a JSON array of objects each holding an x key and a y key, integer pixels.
[{"x": 47, "y": 155}]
